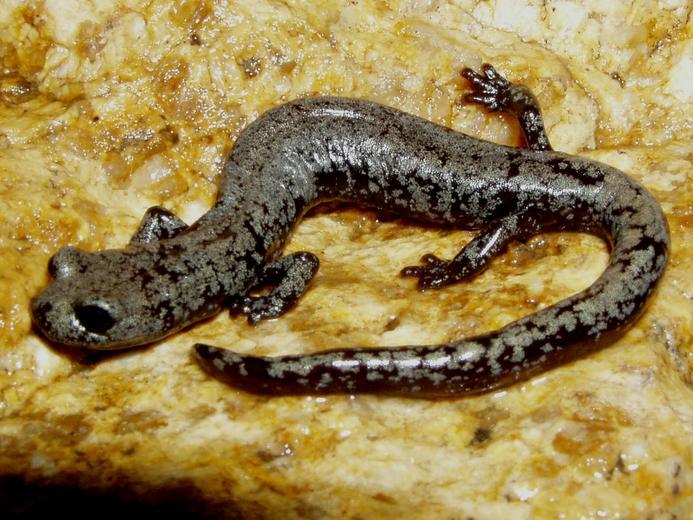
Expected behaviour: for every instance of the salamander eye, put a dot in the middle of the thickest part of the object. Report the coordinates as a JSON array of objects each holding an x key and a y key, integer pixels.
[{"x": 95, "y": 318}]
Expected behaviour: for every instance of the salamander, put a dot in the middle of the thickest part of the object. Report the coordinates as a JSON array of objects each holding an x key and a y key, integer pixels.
[{"x": 320, "y": 149}]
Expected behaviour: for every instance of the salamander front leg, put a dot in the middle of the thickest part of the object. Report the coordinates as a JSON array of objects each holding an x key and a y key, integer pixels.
[
  {"x": 477, "y": 254},
  {"x": 289, "y": 276},
  {"x": 499, "y": 95},
  {"x": 157, "y": 224}
]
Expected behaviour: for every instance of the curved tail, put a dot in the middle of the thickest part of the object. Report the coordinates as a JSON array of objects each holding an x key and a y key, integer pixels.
[{"x": 568, "y": 330}]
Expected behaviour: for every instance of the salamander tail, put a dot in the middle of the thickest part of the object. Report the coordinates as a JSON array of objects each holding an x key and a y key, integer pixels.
[{"x": 418, "y": 371}]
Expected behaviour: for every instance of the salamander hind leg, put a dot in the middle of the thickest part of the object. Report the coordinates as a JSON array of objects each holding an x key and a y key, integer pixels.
[
  {"x": 499, "y": 95},
  {"x": 289, "y": 278},
  {"x": 157, "y": 224},
  {"x": 477, "y": 254}
]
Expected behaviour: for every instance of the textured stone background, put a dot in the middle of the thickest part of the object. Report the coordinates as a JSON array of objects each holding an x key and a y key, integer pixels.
[{"x": 109, "y": 107}]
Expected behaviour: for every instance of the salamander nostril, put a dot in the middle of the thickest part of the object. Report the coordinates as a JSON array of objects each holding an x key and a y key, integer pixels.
[{"x": 95, "y": 318}]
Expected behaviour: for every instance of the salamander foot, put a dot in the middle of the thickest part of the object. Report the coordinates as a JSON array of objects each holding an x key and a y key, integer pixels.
[
  {"x": 435, "y": 272},
  {"x": 497, "y": 94},
  {"x": 490, "y": 88}
]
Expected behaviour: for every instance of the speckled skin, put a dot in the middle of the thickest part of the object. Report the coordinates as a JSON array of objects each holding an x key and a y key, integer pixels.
[{"x": 321, "y": 149}]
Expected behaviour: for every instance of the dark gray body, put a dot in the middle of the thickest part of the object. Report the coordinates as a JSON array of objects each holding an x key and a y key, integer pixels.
[{"x": 321, "y": 149}]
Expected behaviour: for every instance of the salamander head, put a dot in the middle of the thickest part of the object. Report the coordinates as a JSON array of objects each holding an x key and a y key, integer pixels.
[{"x": 106, "y": 300}]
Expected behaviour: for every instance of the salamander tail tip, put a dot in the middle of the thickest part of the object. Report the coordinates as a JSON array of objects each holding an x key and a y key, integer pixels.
[
  {"x": 202, "y": 351},
  {"x": 248, "y": 373},
  {"x": 215, "y": 360},
  {"x": 204, "y": 354}
]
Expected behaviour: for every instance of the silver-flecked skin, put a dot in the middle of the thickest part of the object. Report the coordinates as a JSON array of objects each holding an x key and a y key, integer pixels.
[{"x": 321, "y": 149}]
